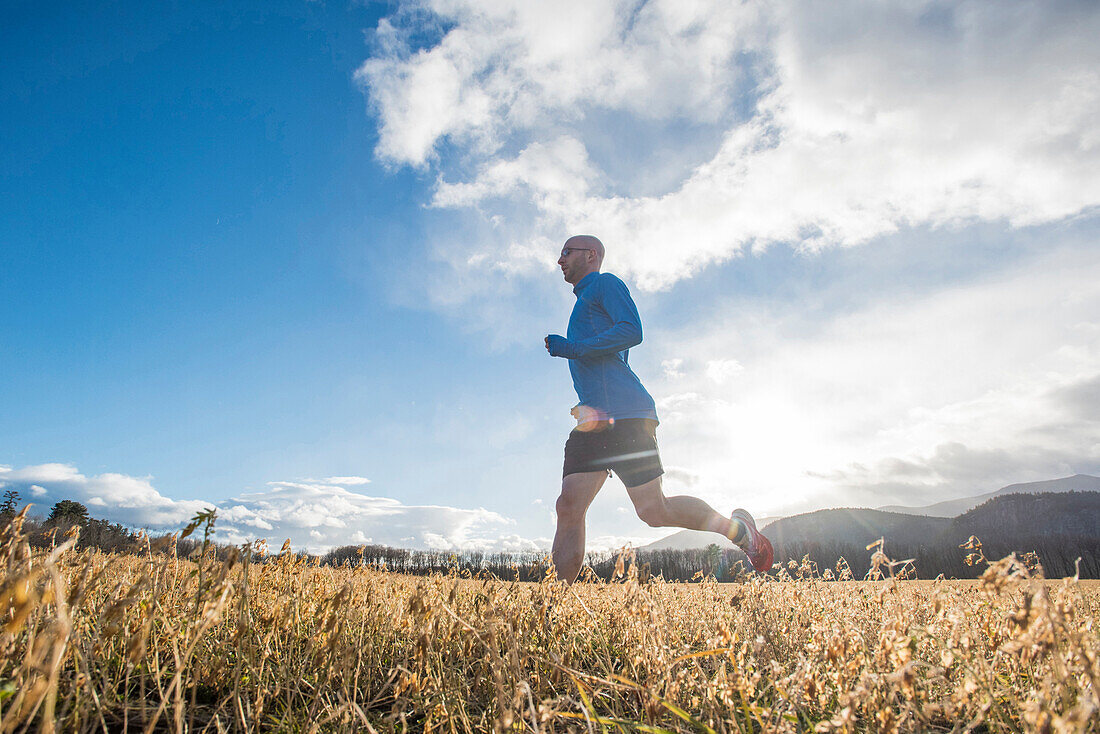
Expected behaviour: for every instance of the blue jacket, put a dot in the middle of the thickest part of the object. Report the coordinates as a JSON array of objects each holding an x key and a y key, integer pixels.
[{"x": 603, "y": 327}]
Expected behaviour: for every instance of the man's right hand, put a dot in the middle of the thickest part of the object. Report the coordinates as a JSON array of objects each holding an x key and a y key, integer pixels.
[{"x": 559, "y": 346}]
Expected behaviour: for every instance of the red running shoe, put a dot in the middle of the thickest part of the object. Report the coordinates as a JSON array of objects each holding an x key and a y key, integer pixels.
[{"x": 756, "y": 546}]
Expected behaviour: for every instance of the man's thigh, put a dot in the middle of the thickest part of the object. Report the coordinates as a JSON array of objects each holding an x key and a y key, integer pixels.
[{"x": 580, "y": 488}]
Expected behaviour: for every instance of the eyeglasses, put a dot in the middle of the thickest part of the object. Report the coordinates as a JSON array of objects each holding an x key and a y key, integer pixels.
[{"x": 569, "y": 250}]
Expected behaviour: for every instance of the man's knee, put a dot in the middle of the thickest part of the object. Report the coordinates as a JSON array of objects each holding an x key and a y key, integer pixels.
[
  {"x": 569, "y": 507},
  {"x": 649, "y": 503},
  {"x": 577, "y": 491},
  {"x": 572, "y": 503}
]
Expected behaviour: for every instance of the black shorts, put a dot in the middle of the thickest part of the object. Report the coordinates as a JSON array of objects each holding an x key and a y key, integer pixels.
[{"x": 627, "y": 447}]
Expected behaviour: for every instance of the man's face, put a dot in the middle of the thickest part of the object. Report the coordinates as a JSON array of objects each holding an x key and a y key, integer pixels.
[{"x": 574, "y": 263}]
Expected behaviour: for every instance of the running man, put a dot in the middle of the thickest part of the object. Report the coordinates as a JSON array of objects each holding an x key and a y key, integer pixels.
[{"x": 617, "y": 420}]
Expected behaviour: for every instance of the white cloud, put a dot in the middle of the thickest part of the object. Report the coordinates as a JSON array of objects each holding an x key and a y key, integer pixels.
[
  {"x": 344, "y": 481},
  {"x": 238, "y": 515},
  {"x": 832, "y": 125},
  {"x": 721, "y": 370},
  {"x": 506, "y": 66},
  {"x": 907, "y": 399},
  {"x": 318, "y": 516},
  {"x": 680, "y": 475},
  {"x": 315, "y": 516},
  {"x": 554, "y": 173},
  {"x": 671, "y": 406},
  {"x": 672, "y": 368},
  {"x": 129, "y": 500}
]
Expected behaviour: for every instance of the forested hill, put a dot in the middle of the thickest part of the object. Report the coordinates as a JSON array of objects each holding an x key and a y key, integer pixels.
[
  {"x": 1075, "y": 514},
  {"x": 956, "y": 507},
  {"x": 1059, "y": 527},
  {"x": 855, "y": 526}
]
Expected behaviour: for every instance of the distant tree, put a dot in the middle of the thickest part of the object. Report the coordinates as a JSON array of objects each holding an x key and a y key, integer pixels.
[
  {"x": 11, "y": 500},
  {"x": 713, "y": 559},
  {"x": 68, "y": 511},
  {"x": 111, "y": 537}
]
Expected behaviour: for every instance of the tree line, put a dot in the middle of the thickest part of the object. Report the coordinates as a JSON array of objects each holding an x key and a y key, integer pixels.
[
  {"x": 67, "y": 515},
  {"x": 1060, "y": 554}
]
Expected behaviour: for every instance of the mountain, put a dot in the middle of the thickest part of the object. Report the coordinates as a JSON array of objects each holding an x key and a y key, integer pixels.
[
  {"x": 1054, "y": 514},
  {"x": 855, "y": 527},
  {"x": 953, "y": 508},
  {"x": 863, "y": 526},
  {"x": 694, "y": 539},
  {"x": 998, "y": 520},
  {"x": 1059, "y": 527},
  {"x": 689, "y": 540}
]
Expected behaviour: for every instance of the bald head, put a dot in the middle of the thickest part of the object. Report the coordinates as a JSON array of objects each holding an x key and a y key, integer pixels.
[
  {"x": 580, "y": 255},
  {"x": 589, "y": 242}
]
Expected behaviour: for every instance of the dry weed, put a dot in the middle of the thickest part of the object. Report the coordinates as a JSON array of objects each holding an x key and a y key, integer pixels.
[{"x": 98, "y": 642}]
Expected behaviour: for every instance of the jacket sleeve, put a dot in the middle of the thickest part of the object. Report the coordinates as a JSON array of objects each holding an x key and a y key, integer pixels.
[{"x": 626, "y": 327}]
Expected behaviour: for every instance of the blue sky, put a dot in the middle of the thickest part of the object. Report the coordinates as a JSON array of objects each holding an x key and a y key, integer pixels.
[{"x": 296, "y": 259}]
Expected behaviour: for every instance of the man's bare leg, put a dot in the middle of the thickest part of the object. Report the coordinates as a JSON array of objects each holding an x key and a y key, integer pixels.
[
  {"x": 680, "y": 511},
  {"x": 577, "y": 493}
]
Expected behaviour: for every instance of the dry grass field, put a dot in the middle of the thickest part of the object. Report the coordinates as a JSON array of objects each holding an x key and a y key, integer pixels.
[{"x": 98, "y": 642}]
